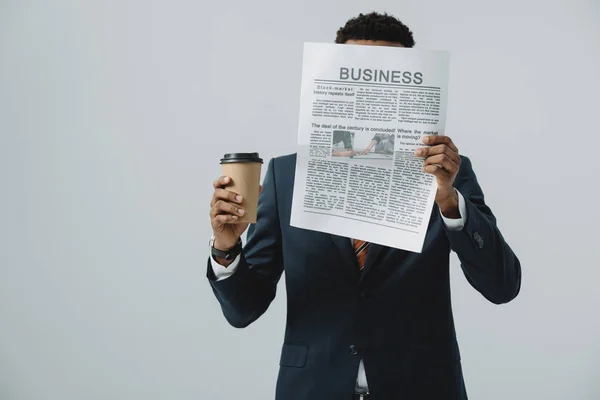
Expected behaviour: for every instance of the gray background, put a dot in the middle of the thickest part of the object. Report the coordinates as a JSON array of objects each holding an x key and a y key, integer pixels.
[{"x": 113, "y": 115}]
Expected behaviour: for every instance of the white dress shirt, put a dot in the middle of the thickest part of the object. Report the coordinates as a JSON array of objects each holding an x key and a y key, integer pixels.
[{"x": 222, "y": 272}]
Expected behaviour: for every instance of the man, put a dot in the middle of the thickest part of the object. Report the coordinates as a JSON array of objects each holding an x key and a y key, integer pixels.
[
  {"x": 380, "y": 324},
  {"x": 346, "y": 138},
  {"x": 383, "y": 143}
]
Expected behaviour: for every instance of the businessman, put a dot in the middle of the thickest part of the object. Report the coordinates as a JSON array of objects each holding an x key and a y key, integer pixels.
[
  {"x": 383, "y": 143},
  {"x": 346, "y": 138},
  {"x": 364, "y": 321}
]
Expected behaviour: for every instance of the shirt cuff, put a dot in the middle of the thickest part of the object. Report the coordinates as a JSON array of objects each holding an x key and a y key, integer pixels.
[
  {"x": 458, "y": 223},
  {"x": 222, "y": 272}
]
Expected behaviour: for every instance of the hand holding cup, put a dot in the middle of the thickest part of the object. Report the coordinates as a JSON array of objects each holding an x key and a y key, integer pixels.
[
  {"x": 225, "y": 211},
  {"x": 235, "y": 198}
]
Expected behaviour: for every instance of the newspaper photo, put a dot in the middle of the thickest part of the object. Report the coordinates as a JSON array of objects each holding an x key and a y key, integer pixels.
[{"x": 363, "y": 112}]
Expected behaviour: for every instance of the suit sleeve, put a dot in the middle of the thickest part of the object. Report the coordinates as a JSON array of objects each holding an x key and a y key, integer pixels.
[
  {"x": 487, "y": 261},
  {"x": 247, "y": 293}
]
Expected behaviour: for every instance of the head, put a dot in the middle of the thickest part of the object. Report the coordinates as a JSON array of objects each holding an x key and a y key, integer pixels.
[{"x": 375, "y": 29}]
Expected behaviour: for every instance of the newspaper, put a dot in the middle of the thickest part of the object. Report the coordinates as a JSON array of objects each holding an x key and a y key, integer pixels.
[{"x": 363, "y": 112}]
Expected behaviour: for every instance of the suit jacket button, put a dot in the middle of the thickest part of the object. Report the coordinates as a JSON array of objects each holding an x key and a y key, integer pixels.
[
  {"x": 478, "y": 239},
  {"x": 354, "y": 350}
]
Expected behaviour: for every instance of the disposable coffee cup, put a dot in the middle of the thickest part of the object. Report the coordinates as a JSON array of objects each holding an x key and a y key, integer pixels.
[{"x": 244, "y": 171}]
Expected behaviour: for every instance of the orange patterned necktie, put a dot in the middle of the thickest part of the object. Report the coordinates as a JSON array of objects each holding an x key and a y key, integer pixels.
[{"x": 361, "y": 248}]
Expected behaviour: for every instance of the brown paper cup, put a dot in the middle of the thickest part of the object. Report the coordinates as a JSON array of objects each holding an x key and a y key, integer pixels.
[{"x": 244, "y": 171}]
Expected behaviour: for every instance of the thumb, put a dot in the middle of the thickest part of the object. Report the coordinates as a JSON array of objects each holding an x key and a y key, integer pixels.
[{"x": 241, "y": 228}]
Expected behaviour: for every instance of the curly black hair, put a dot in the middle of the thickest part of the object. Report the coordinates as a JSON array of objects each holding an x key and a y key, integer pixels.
[{"x": 375, "y": 26}]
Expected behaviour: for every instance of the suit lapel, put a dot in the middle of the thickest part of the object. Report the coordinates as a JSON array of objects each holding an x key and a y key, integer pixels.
[
  {"x": 379, "y": 257},
  {"x": 374, "y": 254},
  {"x": 376, "y": 257},
  {"x": 347, "y": 254}
]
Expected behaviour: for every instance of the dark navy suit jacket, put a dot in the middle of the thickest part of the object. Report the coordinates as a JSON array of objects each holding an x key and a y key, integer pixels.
[{"x": 396, "y": 315}]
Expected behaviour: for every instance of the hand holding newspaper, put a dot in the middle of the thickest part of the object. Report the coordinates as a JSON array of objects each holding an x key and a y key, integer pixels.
[{"x": 363, "y": 112}]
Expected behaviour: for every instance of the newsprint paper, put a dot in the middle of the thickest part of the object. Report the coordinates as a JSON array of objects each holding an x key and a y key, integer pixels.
[{"x": 363, "y": 112}]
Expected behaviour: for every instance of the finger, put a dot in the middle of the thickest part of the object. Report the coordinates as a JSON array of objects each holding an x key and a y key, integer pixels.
[
  {"x": 432, "y": 140},
  {"x": 436, "y": 170},
  {"x": 222, "y": 181},
  {"x": 226, "y": 219},
  {"x": 223, "y": 207},
  {"x": 444, "y": 160},
  {"x": 438, "y": 149},
  {"x": 227, "y": 195}
]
